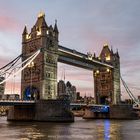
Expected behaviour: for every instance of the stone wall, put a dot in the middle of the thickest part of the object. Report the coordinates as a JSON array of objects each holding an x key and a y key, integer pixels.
[
  {"x": 43, "y": 110},
  {"x": 53, "y": 110},
  {"x": 21, "y": 113},
  {"x": 122, "y": 112}
]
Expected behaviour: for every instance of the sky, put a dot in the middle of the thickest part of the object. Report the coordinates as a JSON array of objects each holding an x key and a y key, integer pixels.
[{"x": 84, "y": 25}]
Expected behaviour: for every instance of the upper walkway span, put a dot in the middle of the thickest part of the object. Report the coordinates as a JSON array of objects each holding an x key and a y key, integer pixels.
[{"x": 78, "y": 59}]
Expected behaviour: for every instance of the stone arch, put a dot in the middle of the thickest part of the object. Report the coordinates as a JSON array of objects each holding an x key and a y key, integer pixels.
[{"x": 31, "y": 93}]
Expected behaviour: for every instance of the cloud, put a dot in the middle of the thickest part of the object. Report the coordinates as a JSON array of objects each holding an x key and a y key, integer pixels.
[{"x": 8, "y": 24}]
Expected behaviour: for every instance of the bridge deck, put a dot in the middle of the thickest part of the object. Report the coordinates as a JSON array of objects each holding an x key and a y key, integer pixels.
[{"x": 75, "y": 58}]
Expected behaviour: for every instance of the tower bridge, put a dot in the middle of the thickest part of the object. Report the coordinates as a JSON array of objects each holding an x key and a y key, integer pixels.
[
  {"x": 40, "y": 55},
  {"x": 43, "y": 72}
]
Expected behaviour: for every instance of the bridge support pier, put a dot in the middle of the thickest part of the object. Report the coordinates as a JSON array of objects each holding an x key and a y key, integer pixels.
[
  {"x": 115, "y": 112},
  {"x": 21, "y": 113},
  {"x": 42, "y": 110}
]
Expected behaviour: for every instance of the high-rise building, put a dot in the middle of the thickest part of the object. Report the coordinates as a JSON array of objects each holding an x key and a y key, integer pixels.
[
  {"x": 73, "y": 95},
  {"x": 71, "y": 91},
  {"x": 66, "y": 90},
  {"x": 61, "y": 88}
]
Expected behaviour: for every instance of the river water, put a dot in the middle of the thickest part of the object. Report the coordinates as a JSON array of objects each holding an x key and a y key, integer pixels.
[{"x": 79, "y": 130}]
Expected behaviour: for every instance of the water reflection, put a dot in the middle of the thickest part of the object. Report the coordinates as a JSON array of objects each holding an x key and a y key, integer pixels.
[
  {"x": 79, "y": 130},
  {"x": 108, "y": 130}
]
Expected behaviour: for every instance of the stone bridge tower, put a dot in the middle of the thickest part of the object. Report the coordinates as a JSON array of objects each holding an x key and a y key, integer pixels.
[
  {"x": 107, "y": 81},
  {"x": 39, "y": 79}
]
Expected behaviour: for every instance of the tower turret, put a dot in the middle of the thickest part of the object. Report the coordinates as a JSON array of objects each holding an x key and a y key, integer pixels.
[
  {"x": 56, "y": 32},
  {"x": 107, "y": 81},
  {"x": 24, "y": 34},
  {"x": 40, "y": 80}
]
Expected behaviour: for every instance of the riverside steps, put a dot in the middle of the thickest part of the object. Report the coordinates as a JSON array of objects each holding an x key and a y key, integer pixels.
[{"x": 43, "y": 110}]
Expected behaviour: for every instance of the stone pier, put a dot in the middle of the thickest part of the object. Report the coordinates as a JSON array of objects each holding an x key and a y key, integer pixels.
[
  {"x": 115, "y": 112},
  {"x": 42, "y": 110}
]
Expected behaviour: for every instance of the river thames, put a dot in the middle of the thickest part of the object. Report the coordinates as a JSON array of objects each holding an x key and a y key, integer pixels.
[{"x": 79, "y": 130}]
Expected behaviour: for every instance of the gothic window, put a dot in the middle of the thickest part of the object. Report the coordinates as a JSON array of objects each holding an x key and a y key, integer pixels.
[
  {"x": 49, "y": 87},
  {"x": 51, "y": 42},
  {"x": 48, "y": 75},
  {"x": 103, "y": 76}
]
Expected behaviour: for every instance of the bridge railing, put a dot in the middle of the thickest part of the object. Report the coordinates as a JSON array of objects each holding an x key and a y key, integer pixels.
[{"x": 13, "y": 100}]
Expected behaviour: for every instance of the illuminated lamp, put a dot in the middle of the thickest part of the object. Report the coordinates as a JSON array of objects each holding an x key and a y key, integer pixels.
[
  {"x": 107, "y": 58},
  {"x": 108, "y": 70},
  {"x": 41, "y": 14},
  {"x": 31, "y": 65},
  {"x": 47, "y": 32},
  {"x": 28, "y": 36},
  {"x": 38, "y": 32},
  {"x": 105, "y": 45},
  {"x": 97, "y": 72}
]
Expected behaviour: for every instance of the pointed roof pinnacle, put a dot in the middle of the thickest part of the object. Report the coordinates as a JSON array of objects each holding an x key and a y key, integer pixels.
[
  {"x": 105, "y": 45},
  {"x": 55, "y": 27},
  {"x": 117, "y": 53},
  {"x": 41, "y": 14},
  {"x": 41, "y": 20},
  {"x": 25, "y": 31}
]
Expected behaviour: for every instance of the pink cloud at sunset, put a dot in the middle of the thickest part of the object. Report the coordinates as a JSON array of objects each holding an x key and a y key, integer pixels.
[{"x": 9, "y": 24}]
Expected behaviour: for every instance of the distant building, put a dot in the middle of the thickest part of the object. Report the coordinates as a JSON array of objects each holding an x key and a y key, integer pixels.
[
  {"x": 78, "y": 96},
  {"x": 71, "y": 91},
  {"x": 66, "y": 91},
  {"x": 89, "y": 100},
  {"x": 61, "y": 88},
  {"x": 10, "y": 97},
  {"x": 73, "y": 95},
  {"x": 2, "y": 87}
]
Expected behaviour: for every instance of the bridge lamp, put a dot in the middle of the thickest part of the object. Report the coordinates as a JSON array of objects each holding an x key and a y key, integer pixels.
[
  {"x": 38, "y": 32},
  {"x": 47, "y": 32},
  {"x": 99, "y": 58},
  {"x": 28, "y": 36},
  {"x": 108, "y": 70},
  {"x": 97, "y": 71},
  {"x": 31, "y": 65},
  {"x": 107, "y": 58}
]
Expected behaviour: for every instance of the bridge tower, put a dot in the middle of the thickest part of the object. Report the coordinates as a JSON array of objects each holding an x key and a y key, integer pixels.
[
  {"x": 39, "y": 79},
  {"x": 107, "y": 81}
]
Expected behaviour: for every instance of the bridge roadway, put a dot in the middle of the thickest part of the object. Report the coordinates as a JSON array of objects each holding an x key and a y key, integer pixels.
[
  {"x": 75, "y": 58},
  {"x": 92, "y": 107},
  {"x": 16, "y": 102}
]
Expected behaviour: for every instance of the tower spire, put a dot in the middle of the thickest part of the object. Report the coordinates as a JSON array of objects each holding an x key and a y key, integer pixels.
[
  {"x": 25, "y": 31},
  {"x": 41, "y": 14},
  {"x": 64, "y": 75},
  {"x": 55, "y": 27}
]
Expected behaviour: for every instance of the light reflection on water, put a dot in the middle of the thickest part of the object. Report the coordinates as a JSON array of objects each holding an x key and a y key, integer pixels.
[{"x": 79, "y": 130}]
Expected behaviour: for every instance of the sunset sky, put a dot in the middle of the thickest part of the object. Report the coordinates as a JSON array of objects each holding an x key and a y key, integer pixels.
[{"x": 84, "y": 25}]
